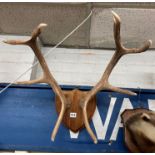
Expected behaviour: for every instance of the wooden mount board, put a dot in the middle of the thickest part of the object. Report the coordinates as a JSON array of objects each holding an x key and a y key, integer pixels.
[{"x": 73, "y": 117}]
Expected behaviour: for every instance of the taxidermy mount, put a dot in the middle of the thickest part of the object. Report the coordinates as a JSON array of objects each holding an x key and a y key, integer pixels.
[{"x": 75, "y": 108}]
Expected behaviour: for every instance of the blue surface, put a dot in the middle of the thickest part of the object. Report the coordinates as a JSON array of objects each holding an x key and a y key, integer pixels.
[{"x": 28, "y": 116}]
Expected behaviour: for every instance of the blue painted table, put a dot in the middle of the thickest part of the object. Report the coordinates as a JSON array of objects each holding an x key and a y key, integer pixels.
[{"x": 28, "y": 115}]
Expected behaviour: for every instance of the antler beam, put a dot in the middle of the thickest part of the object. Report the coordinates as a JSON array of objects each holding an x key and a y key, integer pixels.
[
  {"x": 103, "y": 84},
  {"x": 47, "y": 76}
]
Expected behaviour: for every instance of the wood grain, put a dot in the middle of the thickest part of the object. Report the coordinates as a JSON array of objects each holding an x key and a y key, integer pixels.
[{"x": 75, "y": 96}]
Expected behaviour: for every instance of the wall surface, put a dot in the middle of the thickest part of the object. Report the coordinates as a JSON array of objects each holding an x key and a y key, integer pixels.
[
  {"x": 137, "y": 26},
  {"x": 22, "y": 18},
  {"x": 74, "y": 66},
  {"x": 14, "y": 60},
  {"x": 85, "y": 67},
  {"x": 138, "y": 22}
]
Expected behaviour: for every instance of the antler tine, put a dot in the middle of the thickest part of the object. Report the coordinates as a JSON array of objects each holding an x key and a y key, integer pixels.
[
  {"x": 30, "y": 42},
  {"x": 37, "y": 31},
  {"x": 117, "y": 23},
  {"x": 55, "y": 130},
  {"x": 47, "y": 76},
  {"x": 34, "y": 35},
  {"x": 119, "y": 46},
  {"x": 103, "y": 84},
  {"x": 86, "y": 122},
  {"x": 14, "y": 42},
  {"x": 145, "y": 47}
]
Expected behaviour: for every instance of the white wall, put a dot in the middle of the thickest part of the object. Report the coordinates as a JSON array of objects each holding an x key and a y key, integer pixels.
[
  {"x": 14, "y": 59},
  {"x": 86, "y": 66}
]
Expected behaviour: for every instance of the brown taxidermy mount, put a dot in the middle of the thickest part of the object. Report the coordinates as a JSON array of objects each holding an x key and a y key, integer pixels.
[
  {"x": 139, "y": 130},
  {"x": 80, "y": 104}
]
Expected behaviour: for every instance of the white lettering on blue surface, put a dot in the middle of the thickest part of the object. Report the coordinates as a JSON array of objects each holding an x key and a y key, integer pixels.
[
  {"x": 101, "y": 129},
  {"x": 125, "y": 105},
  {"x": 151, "y": 104},
  {"x": 73, "y": 135}
]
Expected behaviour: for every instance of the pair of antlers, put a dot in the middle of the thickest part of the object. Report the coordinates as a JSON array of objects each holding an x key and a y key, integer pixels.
[{"x": 103, "y": 83}]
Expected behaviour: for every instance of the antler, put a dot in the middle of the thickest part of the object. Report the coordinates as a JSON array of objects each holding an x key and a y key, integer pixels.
[
  {"x": 47, "y": 76},
  {"x": 104, "y": 84}
]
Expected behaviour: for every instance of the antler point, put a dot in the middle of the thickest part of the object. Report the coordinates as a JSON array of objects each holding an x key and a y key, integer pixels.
[
  {"x": 4, "y": 41},
  {"x": 95, "y": 141},
  {"x": 134, "y": 94},
  {"x": 42, "y": 25},
  {"x": 113, "y": 12},
  {"x": 116, "y": 16},
  {"x": 52, "y": 139},
  {"x": 7, "y": 42},
  {"x": 150, "y": 41}
]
